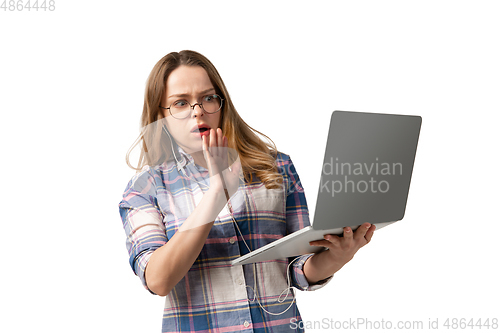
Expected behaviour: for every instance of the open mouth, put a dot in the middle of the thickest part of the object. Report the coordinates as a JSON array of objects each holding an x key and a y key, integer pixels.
[{"x": 202, "y": 129}]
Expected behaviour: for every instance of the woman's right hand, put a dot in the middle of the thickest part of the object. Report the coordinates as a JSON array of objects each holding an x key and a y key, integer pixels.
[{"x": 222, "y": 177}]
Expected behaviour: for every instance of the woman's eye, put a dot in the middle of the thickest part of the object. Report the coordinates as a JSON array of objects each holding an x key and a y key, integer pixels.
[
  {"x": 179, "y": 104},
  {"x": 208, "y": 98}
]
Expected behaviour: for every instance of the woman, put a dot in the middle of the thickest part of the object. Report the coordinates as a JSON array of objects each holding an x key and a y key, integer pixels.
[{"x": 210, "y": 190}]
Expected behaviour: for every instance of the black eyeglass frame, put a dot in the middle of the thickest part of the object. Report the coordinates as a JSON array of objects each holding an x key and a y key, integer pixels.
[{"x": 193, "y": 106}]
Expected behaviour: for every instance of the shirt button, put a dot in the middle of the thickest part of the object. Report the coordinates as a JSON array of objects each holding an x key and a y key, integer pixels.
[
  {"x": 231, "y": 240},
  {"x": 246, "y": 323},
  {"x": 240, "y": 282}
]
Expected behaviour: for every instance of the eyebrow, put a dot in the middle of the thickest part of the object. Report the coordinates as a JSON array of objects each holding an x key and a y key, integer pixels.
[{"x": 187, "y": 95}]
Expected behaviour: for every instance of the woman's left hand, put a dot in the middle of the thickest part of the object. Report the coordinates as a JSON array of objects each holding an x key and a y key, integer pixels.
[{"x": 340, "y": 251}]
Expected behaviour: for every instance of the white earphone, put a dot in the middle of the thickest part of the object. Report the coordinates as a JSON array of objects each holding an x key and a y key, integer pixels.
[{"x": 177, "y": 163}]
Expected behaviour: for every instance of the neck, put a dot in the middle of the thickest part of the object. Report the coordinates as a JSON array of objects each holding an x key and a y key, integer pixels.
[
  {"x": 199, "y": 159},
  {"x": 197, "y": 156}
]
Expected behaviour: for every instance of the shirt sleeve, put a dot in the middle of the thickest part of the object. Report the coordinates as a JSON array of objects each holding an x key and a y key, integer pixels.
[
  {"x": 297, "y": 217},
  {"x": 142, "y": 221}
]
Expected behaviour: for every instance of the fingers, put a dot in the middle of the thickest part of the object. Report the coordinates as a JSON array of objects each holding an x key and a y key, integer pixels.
[
  {"x": 215, "y": 149},
  {"x": 361, "y": 231},
  {"x": 213, "y": 139},
  {"x": 369, "y": 233},
  {"x": 348, "y": 234},
  {"x": 219, "y": 138},
  {"x": 362, "y": 236},
  {"x": 323, "y": 243},
  {"x": 216, "y": 138},
  {"x": 330, "y": 241},
  {"x": 204, "y": 146},
  {"x": 223, "y": 145},
  {"x": 214, "y": 144}
]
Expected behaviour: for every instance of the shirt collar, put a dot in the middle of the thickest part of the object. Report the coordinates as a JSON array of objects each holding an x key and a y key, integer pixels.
[{"x": 186, "y": 160}]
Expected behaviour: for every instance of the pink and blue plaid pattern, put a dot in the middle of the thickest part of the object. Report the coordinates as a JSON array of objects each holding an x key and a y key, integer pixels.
[{"x": 214, "y": 296}]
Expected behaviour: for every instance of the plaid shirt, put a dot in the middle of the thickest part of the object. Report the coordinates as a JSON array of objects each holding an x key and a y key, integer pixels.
[{"x": 214, "y": 295}]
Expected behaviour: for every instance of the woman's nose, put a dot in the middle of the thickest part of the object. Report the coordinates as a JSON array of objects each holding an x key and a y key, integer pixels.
[{"x": 197, "y": 110}]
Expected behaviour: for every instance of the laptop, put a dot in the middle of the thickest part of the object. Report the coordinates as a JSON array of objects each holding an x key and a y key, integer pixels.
[{"x": 365, "y": 177}]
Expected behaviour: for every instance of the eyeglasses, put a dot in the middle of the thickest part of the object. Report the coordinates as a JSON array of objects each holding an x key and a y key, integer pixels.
[{"x": 181, "y": 108}]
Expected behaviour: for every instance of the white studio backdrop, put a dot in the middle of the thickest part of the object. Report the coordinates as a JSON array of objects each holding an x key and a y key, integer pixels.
[{"x": 72, "y": 83}]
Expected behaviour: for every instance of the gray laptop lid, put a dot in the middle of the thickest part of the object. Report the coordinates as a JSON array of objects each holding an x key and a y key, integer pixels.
[{"x": 367, "y": 169}]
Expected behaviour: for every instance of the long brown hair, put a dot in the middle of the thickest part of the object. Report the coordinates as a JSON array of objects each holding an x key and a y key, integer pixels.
[{"x": 256, "y": 156}]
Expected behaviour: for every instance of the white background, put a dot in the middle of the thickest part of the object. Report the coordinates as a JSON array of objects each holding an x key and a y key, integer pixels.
[{"x": 71, "y": 93}]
